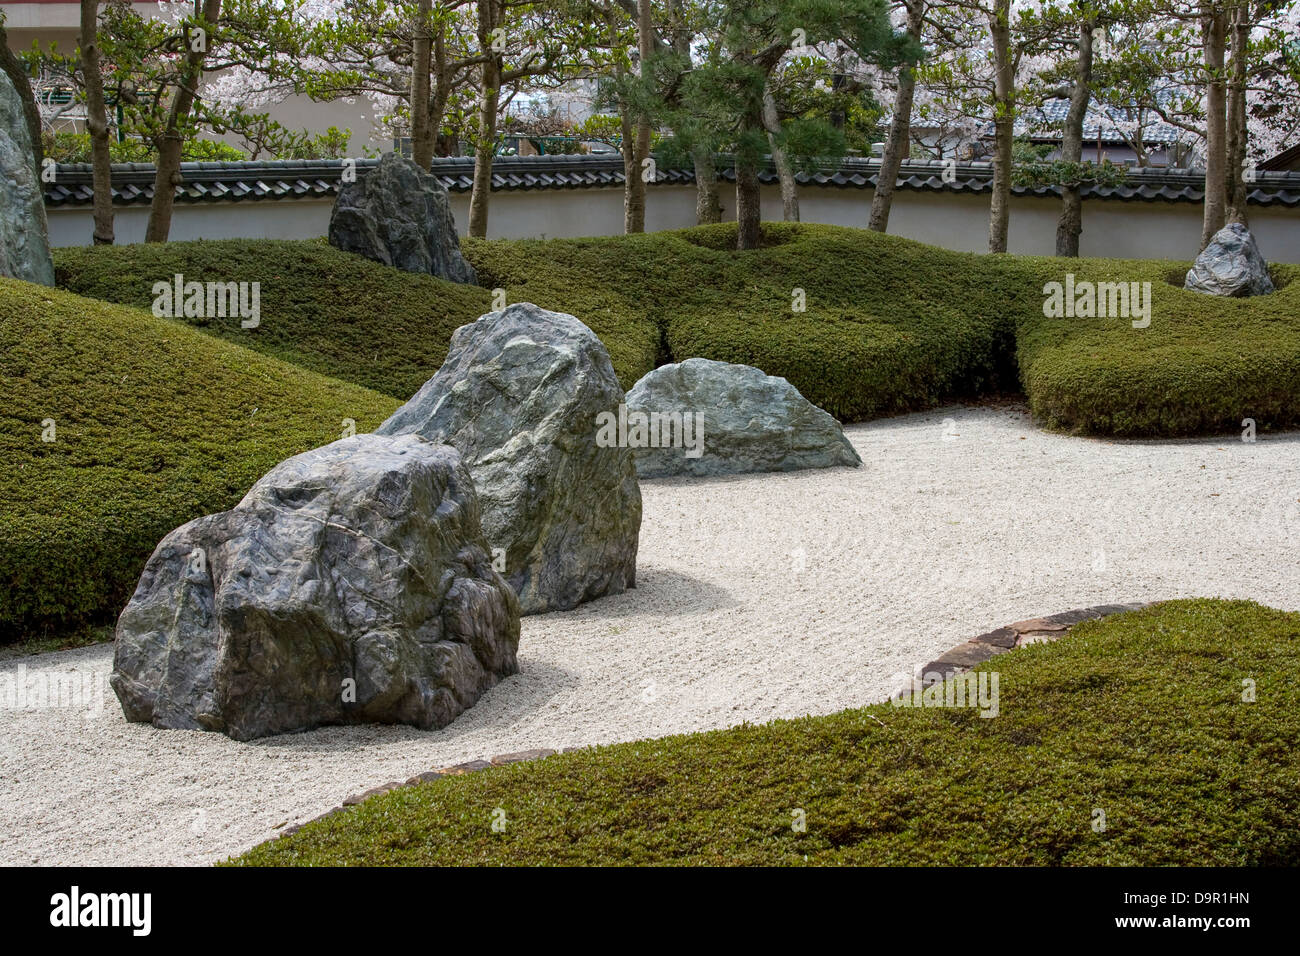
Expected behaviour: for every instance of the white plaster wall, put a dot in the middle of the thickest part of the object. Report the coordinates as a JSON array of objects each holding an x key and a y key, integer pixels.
[{"x": 1138, "y": 230}]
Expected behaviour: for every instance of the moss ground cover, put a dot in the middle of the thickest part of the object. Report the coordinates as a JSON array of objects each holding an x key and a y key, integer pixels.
[{"x": 1140, "y": 716}]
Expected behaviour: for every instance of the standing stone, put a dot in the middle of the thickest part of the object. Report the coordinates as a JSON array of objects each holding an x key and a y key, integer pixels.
[
  {"x": 519, "y": 396},
  {"x": 351, "y": 584},
  {"x": 400, "y": 215},
  {"x": 1230, "y": 265},
  {"x": 24, "y": 236},
  {"x": 733, "y": 419}
]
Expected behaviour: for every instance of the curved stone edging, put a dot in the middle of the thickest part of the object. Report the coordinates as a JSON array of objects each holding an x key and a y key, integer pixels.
[
  {"x": 958, "y": 660},
  {"x": 985, "y": 647}
]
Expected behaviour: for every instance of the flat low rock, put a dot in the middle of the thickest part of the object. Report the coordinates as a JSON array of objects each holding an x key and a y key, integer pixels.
[
  {"x": 519, "y": 396},
  {"x": 701, "y": 417},
  {"x": 1231, "y": 265},
  {"x": 400, "y": 215},
  {"x": 24, "y": 240},
  {"x": 351, "y": 584}
]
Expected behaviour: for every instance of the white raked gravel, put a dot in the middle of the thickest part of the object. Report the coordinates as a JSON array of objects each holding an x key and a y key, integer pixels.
[{"x": 761, "y": 596}]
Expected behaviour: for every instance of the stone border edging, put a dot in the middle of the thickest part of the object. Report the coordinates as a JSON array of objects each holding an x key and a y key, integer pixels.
[
  {"x": 985, "y": 647},
  {"x": 958, "y": 660}
]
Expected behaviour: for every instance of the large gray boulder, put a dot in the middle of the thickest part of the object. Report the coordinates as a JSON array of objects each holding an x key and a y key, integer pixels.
[
  {"x": 519, "y": 396},
  {"x": 24, "y": 239},
  {"x": 399, "y": 214},
  {"x": 701, "y": 417},
  {"x": 352, "y": 584},
  {"x": 1230, "y": 265}
]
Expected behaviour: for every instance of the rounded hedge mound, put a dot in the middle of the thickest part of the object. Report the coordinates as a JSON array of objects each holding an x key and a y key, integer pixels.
[
  {"x": 1202, "y": 365},
  {"x": 341, "y": 314},
  {"x": 1140, "y": 714},
  {"x": 116, "y": 427}
]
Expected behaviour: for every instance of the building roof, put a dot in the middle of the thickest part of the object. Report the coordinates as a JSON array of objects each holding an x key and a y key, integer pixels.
[
  {"x": 1048, "y": 120},
  {"x": 320, "y": 179},
  {"x": 1287, "y": 160}
]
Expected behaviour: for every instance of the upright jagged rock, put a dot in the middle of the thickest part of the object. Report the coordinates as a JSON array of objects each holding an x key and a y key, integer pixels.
[
  {"x": 24, "y": 235},
  {"x": 400, "y": 215},
  {"x": 1230, "y": 265},
  {"x": 351, "y": 584},
  {"x": 701, "y": 417},
  {"x": 520, "y": 396}
]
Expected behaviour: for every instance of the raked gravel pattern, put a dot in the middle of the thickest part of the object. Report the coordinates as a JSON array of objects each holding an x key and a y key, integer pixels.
[{"x": 758, "y": 597}]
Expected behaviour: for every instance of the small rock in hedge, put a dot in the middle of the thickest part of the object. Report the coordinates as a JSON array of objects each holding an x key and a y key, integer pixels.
[
  {"x": 1231, "y": 265},
  {"x": 519, "y": 396},
  {"x": 731, "y": 419},
  {"x": 351, "y": 584},
  {"x": 400, "y": 215}
]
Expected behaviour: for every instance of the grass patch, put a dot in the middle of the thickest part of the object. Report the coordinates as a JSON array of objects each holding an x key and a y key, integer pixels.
[
  {"x": 1140, "y": 715},
  {"x": 154, "y": 423}
]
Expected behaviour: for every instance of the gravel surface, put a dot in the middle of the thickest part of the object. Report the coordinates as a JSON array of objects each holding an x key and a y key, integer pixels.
[{"x": 759, "y": 597}]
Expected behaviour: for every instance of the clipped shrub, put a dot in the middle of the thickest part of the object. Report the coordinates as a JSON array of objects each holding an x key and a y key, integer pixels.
[{"x": 116, "y": 427}]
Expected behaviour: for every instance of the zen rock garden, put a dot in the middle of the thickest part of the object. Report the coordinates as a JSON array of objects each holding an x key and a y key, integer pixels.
[
  {"x": 358, "y": 582},
  {"x": 381, "y": 578}
]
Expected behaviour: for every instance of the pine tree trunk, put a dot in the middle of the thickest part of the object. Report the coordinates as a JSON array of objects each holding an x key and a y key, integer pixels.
[
  {"x": 708, "y": 207},
  {"x": 171, "y": 142},
  {"x": 97, "y": 124},
  {"x": 784, "y": 171},
  {"x": 898, "y": 145},
  {"x": 1070, "y": 224},
  {"x": 1235, "y": 183},
  {"x": 1213, "y": 39},
  {"x": 749, "y": 208},
  {"x": 634, "y": 192},
  {"x": 1003, "y": 125},
  {"x": 633, "y": 186},
  {"x": 489, "y": 98},
  {"x": 635, "y": 152},
  {"x": 423, "y": 133}
]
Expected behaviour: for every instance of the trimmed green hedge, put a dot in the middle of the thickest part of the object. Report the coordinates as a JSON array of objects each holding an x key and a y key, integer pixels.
[
  {"x": 1139, "y": 715},
  {"x": 328, "y": 311},
  {"x": 889, "y": 325},
  {"x": 337, "y": 313},
  {"x": 1202, "y": 366},
  {"x": 154, "y": 424}
]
